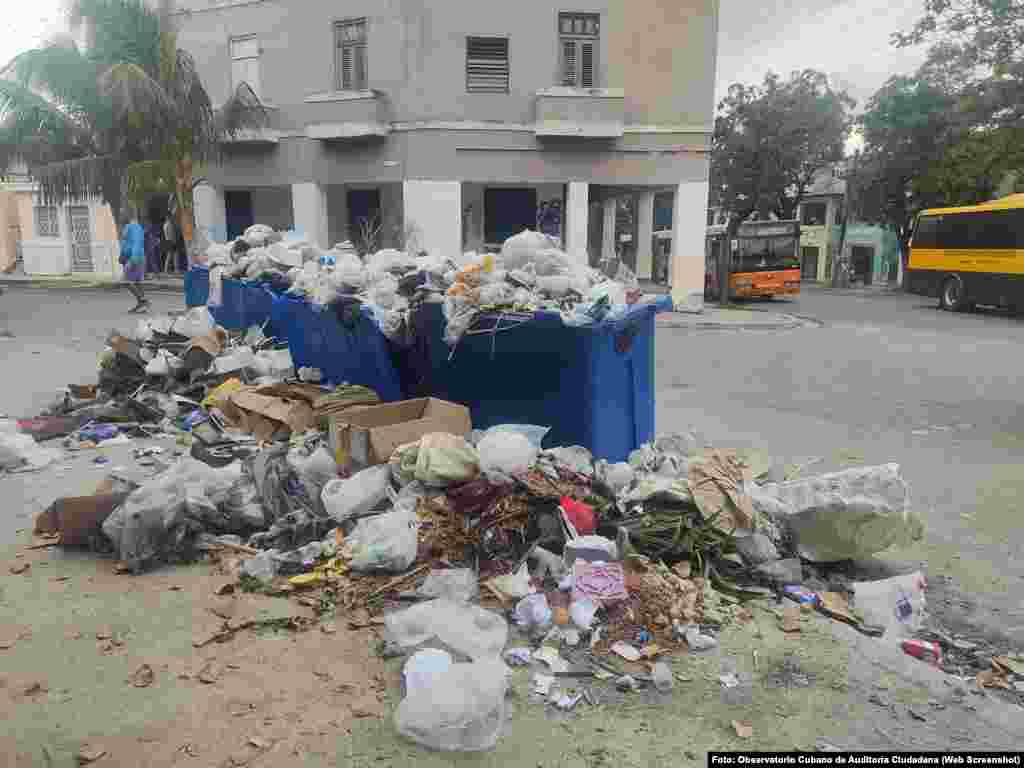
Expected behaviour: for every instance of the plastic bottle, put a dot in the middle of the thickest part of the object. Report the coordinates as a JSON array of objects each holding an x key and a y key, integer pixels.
[{"x": 662, "y": 675}]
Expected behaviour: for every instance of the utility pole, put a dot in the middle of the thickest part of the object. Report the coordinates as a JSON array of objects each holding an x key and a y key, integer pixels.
[{"x": 839, "y": 280}]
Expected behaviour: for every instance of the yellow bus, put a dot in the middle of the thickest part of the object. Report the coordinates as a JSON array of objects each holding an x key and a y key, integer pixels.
[{"x": 970, "y": 255}]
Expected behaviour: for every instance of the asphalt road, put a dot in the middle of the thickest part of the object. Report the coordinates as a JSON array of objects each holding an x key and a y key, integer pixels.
[{"x": 886, "y": 378}]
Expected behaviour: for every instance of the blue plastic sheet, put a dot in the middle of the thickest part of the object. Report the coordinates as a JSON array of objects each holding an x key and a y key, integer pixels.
[{"x": 197, "y": 287}]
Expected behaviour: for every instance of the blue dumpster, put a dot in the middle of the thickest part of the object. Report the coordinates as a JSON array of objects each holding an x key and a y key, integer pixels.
[
  {"x": 354, "y": 353},
  {"x": 197, "y": 287},
  {"x": 593, "y": 386}
]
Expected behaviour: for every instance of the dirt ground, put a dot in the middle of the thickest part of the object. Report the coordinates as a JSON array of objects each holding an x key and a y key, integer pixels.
[{"x": 75, "y": 634}]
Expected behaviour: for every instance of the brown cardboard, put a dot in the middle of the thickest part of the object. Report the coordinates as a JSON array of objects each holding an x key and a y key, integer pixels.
[
  {"x": 78, "y": 518},
  {"x": 368, "y": 435},
  {"x": 295, "y": 413},
  {"x": 213, "y": 343}
]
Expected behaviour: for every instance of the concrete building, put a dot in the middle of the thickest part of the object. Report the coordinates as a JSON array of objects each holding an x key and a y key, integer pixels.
[
  {"x": 821, "y": 219},
  {"x": 451, "y": 126},
  {"x": 79, "y": 237}
]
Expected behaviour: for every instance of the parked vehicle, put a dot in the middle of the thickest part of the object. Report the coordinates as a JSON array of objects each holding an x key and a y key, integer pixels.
[
  {"x": 763, "y": 260},
  {"x": 969, "y": 255}
]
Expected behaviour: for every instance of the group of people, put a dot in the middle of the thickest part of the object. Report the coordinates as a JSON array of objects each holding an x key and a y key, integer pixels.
[{"x": 150, "y": 249}]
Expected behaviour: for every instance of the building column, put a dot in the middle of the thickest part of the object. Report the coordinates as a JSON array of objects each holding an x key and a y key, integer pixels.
[
  {"x": 576, "y": 224},
  {"x": 609, "y": 208},
  {"x": 309, "y": 212},
  {"x": 689, "y": 226},
  {"x": 645, "y": 236},
  {"x": 210, "y": 212},
  {"x": 433, "y": 217}
]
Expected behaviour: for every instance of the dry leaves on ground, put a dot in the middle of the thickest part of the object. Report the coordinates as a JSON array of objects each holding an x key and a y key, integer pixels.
[{"x": 142, "y": 677}]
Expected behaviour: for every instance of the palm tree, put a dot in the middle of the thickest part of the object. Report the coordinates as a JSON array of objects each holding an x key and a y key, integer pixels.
[{"x": 121, "y": 115}]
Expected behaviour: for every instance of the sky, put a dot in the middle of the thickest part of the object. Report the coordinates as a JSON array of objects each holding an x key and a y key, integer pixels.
[{"x": 848, "y": 39}]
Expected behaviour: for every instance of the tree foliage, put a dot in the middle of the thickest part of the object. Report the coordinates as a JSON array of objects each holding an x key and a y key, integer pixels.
[
  {"x": 977, "y": 50},
  {"x": 121, "y": 116},
  {"x": 771, "y": 140}
]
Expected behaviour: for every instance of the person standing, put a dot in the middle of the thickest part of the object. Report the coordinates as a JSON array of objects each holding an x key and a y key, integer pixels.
[
  {"x": 133, "y": 257},
  {"x": 170, "y": 253}
]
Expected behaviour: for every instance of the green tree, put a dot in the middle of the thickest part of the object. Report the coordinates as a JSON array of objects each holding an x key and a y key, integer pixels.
[
  {"x": 976, "y": 50},
  {"x": 121, "y": 116},
  {"x": 771, "y": 140},
  {"x": 907, "y": 126}
]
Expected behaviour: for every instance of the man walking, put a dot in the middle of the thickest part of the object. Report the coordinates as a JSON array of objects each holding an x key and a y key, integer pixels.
[{"x": 133, "y": 257}]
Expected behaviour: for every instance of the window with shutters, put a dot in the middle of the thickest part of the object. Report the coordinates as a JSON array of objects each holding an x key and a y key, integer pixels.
[
  {"x": 487, "y": 69},
  {"x": 579, "y": 35},
  {"x": 350, "y": 52},
  {"x": 245, "y": 63},
  {"x": 47, "y": 221}
]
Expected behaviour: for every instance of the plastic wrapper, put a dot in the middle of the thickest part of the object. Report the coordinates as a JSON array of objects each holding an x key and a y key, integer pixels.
[
  {"x": 897, "y": 604},
  {"x": 215, "y": 298},
  {"x": 358, "y": 494},
  {"x": 457, "y": 584},
  {"x": 464, "y": 628},
  {"x": 461, "y": 710},
  {"x": 533, "y": 612},
  {"x": 386, "y": 542},
  {"x": 459, "y": 318},
  {"x": 614, "y": 292}
]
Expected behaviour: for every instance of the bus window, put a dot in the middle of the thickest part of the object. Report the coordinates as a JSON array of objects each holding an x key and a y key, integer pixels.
[{"x": 926, "y": 235}]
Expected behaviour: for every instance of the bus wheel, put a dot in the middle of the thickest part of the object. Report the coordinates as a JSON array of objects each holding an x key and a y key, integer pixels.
[{"x": 951, "y": 298}]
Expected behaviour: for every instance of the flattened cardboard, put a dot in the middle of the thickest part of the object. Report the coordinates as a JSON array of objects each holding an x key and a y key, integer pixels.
[
  {"x": 296, "y": 414},
  {"x": 78, "y": 518},
  {"x": 364, "y": 436}
]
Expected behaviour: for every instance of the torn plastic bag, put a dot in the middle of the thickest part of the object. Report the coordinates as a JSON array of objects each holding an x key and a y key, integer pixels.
[
  {"x": 845, "y": 515},
  {"x": 575, "y": 458},
  {"x": 464, "y": 628},
  {"x": 157, "y": 520},
  {"x": 358, "y": 494},
  {"x": 522, "y": 249},
  {"x": 291, "y": 502},
  {"x": 461, "y": 710},
  {"x": 386, "y": 542}
]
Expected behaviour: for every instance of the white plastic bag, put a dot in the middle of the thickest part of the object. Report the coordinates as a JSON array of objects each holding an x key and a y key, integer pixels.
[
  {"x": 898, "y": 604},
  {"x": 551, "y": 261},
  {"x": 522, "y": 249},
  {"x": 465, "y": 628},
  {"x": 386, "y": 542},
  {"x": 358, "y": 494},
  {"x": 510, "y": 449},
  {"x": 274, "y": 362},
  {"x": 533, "y": 612},
  {"x": 461, "y": 710},
  {"x": 236, "y": 360},
  {"x": 196, "y": 322},
  {"x": 457, "y": 584},
  {"x": 423, "y": 668}
]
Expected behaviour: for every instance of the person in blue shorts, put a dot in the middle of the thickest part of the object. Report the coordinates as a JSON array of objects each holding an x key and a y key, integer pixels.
[{"x": 133, "y": 257}]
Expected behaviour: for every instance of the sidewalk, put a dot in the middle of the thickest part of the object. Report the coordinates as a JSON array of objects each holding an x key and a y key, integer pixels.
[{"x": 163, "y": 282}]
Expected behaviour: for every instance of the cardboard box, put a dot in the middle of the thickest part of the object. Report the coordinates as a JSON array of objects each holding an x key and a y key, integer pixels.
[
  {"x": 77, "y": 519},
  {"x": 367, "y": 435}
]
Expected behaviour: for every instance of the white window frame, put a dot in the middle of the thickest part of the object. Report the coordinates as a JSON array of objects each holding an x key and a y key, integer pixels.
[
  {"x": 584, "y": 36},
  {"x": 245, "y": 53},
  {"x": 357, "y": 49},
  {"x": 496, "y": 80},
  {"x": 52, "y": 226}
]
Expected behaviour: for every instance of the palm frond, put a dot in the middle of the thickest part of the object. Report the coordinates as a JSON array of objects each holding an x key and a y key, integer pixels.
[
  {"x": 121, "y": 31},
  {"x": 76, "y": 179},
  {"x": 148, "y": 178},
  {"x": 136, "y": 99},
  {"x": 62, "y": 73}
]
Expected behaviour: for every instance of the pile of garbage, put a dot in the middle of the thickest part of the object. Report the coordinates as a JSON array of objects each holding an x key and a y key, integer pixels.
[{"x": 529, "y": 274}]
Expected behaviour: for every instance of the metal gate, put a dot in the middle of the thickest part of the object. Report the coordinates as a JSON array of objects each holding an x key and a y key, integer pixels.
[{"x": 81, "y": 238}]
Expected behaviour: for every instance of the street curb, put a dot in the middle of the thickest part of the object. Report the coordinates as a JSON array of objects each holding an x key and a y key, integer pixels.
[
  {"x": 794, "y": 321},
  {"x": 67, "y": 285}
]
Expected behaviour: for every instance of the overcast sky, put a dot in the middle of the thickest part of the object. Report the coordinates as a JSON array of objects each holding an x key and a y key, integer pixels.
[{"x": 849, "y": 39}]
